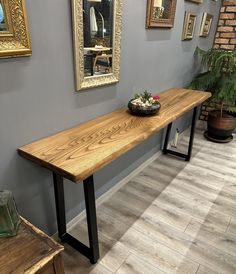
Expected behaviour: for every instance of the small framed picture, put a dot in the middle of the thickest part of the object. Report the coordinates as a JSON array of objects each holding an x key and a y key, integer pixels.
[
  {"x": 206, "y": 24},
  {"x": 195, "y": 1},
  {"x": 189, "y": 25}
]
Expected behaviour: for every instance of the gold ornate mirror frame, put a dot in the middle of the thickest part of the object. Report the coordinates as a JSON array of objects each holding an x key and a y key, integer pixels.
[
  {"x": 83, "y": 82},
  {"x": 15, "y": 40}
]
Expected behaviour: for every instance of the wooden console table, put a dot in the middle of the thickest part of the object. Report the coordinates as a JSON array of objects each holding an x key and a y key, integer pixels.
[
  {"x": 30, "y": 251},
  {"x": 77, "y": 153}
]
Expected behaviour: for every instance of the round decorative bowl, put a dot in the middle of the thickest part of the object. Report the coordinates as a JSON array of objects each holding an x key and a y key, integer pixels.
[{"x": 143, "y": 110}]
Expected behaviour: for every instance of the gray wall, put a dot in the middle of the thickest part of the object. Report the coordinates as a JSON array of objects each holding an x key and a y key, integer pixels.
[{"x": 38, "y": 98}]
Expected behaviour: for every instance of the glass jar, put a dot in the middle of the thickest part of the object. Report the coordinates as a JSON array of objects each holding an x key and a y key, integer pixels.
[{"x": 9, "y": 217}]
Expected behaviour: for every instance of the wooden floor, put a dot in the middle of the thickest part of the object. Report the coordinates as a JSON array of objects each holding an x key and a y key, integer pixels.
[{"x": 173, "y": 217}]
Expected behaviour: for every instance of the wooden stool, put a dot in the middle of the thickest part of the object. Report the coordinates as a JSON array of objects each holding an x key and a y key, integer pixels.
[{"x": 30, "y": 251}]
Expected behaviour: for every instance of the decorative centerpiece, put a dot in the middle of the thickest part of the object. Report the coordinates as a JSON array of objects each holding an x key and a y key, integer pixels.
[{"x": 144, "y": 104}]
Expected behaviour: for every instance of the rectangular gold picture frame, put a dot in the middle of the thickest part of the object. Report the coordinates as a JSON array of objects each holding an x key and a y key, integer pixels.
[
  {"x": 206, "y": 24},
  {"x": 189, "y": 25},
  {"x": 14, "y": 38}
]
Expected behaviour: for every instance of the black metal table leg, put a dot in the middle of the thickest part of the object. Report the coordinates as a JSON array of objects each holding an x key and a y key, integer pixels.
[
  {"x": 91, "y": 218},
  {"x": 167, "y": 138},
  {"x": 188, "y": 156},
  {"x": 60, "y": 204},
  {"x": 91, "y": 252},
  {"x": 190, "y": 147}
]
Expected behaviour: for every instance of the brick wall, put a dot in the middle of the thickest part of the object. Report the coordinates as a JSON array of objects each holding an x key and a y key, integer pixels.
[
  {"x": 225, "y": 37},
  {"x": 226, "y": 31}
]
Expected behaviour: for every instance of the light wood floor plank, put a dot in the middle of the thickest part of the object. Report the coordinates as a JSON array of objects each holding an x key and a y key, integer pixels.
[
  {"x": 214, "y": 258},
  {"x": 197, "y": 179},
  {"x": 167, "y": 215},
  {"x": 232, "y": 226},
  {"x": 157, "y": 254},
  {"x": 228, "y": 149},
  {"x": 136, "y": 265},
  {"x": 192, "y": 192},
  {"x": 212, "y": 219},
  {"x": 225, "y": 205},
  {"x": 197, "y": 247},
  {"x": 216, "y": 166},
  {"x": 205, "y": 270},
  {"x": 116, "y": 256},
  {"x": 195, "y": 207},
  {"x": 225, "y": 242},
  {"x": 164, "y": 234}
]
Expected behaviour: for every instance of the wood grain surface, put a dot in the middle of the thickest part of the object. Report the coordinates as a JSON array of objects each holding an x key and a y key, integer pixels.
[
  {"x": 29, "y": 251},
  {"x": 78, "y": 152}
]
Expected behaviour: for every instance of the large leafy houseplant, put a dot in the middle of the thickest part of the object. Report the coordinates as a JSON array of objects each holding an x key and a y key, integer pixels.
[{"x": 219, "y": 77}]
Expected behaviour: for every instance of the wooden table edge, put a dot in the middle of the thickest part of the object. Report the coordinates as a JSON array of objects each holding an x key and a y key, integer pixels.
[{"x": 76, "y": 178}]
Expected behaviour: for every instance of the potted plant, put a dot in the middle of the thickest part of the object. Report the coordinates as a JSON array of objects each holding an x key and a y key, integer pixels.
[
  {"x": 144, "y": 104},
  {"x": 219, "y": 77}
]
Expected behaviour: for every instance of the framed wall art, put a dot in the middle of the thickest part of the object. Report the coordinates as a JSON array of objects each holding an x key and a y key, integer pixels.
[
  {"x": 14, "y": 34},
  {"x": 160, "y": 13},
  {"x": 189, "y": 25},
  {"x": 206, "y": 24}
]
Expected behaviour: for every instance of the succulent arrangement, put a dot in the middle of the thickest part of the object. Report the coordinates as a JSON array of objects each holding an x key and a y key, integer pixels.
[
  {"x": 144, "y": 104},
  {"x": 145, "y": 99}
]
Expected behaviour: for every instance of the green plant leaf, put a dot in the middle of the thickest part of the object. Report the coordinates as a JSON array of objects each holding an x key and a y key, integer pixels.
[{"x": 219, "y": 76}]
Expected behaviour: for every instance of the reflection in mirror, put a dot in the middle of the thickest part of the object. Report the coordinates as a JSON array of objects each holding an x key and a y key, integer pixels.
[
  {"x": 166, "y": 9},
  {"x": 3, "y": 21},
  {"x": 161, "y": 9},
  {"x": 98, "y": 32},
  {"x": 97, "y": 42},
  {"x": 160, "y": 13}
]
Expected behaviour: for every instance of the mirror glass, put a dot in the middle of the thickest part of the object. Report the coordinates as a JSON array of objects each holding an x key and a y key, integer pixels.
[
  {"x": 98, "y": 35},
  {"x": 160, "y": 13},
  {"x": 161, "y": 9},
  {"x": 3, "y": 21}
]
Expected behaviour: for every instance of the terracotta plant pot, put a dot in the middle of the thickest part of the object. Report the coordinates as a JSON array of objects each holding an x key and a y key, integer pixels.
[{"x": 221, "y": 128}]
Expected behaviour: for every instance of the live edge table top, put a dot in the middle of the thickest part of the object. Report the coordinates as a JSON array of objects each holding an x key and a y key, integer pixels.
[{"x": 79, "y": 152}]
